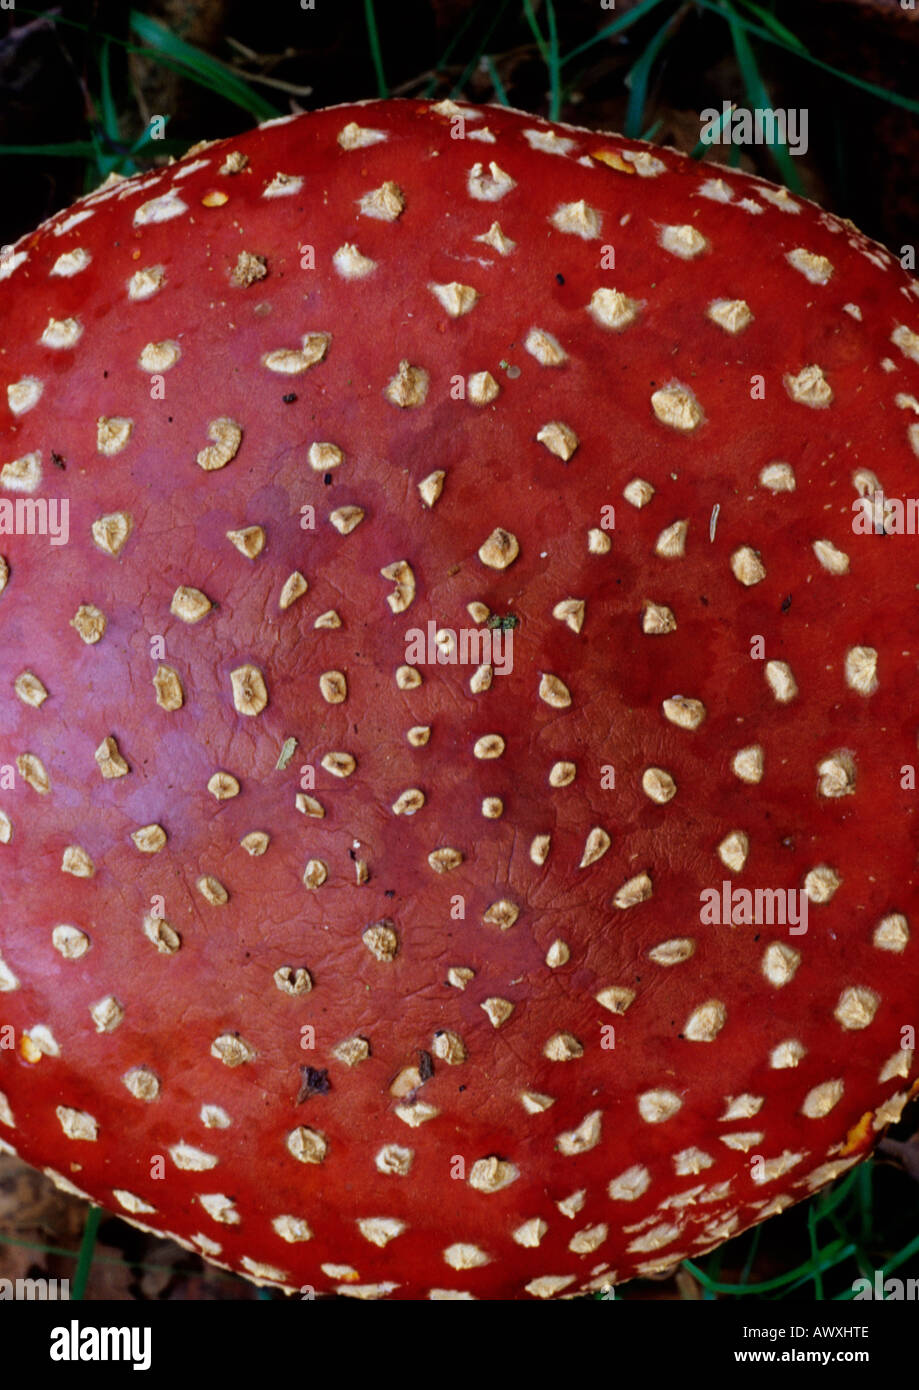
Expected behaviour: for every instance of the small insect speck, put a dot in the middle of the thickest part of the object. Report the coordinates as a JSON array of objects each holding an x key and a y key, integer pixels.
[
  {"x": 786, "y": 603},
  {"x": 290, "y": 398},
  {"x": 314, "y": 1081},
  {"x": 560, "y": 278},
  {"x": 327, "y": 478}
]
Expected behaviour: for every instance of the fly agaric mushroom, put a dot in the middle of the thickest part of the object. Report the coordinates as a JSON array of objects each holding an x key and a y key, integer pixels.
[{"x": 446, "y": 978}]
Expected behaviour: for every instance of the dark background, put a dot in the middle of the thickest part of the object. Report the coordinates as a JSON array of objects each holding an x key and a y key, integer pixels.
[
  {"x": 78, "y": 84},
  {"x": 862, "y": 162}
]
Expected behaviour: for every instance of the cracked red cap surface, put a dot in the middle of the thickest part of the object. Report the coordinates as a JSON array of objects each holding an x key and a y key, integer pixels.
[{"x": 553, "y": 960}]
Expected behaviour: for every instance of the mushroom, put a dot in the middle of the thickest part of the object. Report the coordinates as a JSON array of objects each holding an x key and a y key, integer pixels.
[{"x": 454, "y": 821}]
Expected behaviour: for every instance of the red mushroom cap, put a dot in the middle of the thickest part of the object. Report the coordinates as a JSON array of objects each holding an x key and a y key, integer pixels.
[{"x": 357, "y": 966}]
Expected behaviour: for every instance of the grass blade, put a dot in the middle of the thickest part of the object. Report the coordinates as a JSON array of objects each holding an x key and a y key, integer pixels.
[
  {"x": 554, "y": 64},
  {"x": 757, "y": 95},
  {"x": 106, "y": 100},
  {"x": 110, "y": 155},
  {"x": 639, "y": 76},
  {"x": 70, "y": 149},
  {"x": 751, "y": 1255},
  {"x": 496, "y": 82},
  {"x": 830, "y": 1200},
  {"x": 87, "y": 1248},
  {"x": 901, "y": 1256},
  {"x": 167, "y": 48},
  {"x": 703, "y": 145},
  {"x": 829, "y": 1258},
  {"x": 537, "y": 32},
  {"x": 770, "y": 22},
  {"x": 815, "y": 1253},
  {"x": 370, "y": 16},
  {"x": 457, "y": 89},
  {"x": 172, "y": 52},
  {"x": 447, "y": 54},
  {"x": 864, "y": 1186},
  {"x": 618, "y": 26},
  {"x": 833, "y": 1252},
  {"x": 893, "y": 98},
  {"x": 146, "y": 137},
  {"x": 458, "y": 33}
]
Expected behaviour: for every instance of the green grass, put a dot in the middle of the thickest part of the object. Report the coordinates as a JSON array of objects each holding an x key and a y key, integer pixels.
[
  {"x": 838, "y": 1227},
  {"x": 106, "y": 152},
  {"x": 751, "y": 28},
  {"x": 840, "y": 1222},
  {"x": 479, "y": 54},
  {"x": 168, "y": 49},
  {"x": 783, "y": 39},
  {"x": 87, "y": 1251},
  {"x": 842, "y": 1239},
  {"x": 639, "y": 76},
  {"x": 758, "y": 96},
  {"x": 373, "y": 38}
]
